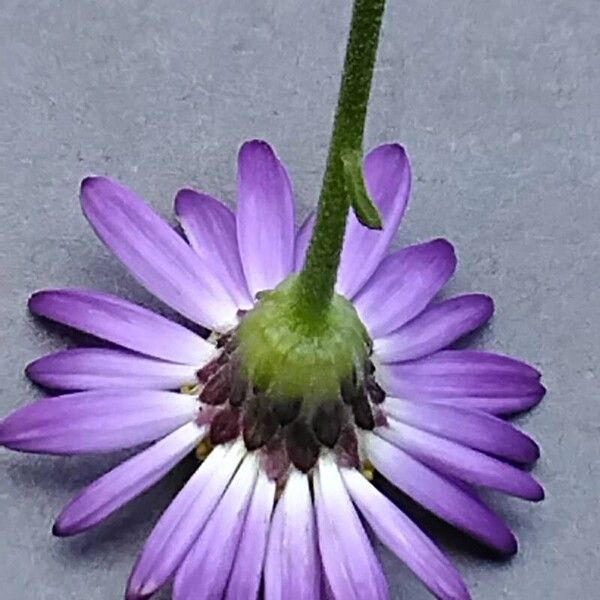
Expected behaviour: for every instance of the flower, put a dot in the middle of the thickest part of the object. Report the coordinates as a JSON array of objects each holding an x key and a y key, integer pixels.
[{"x": 278, "y": 496}]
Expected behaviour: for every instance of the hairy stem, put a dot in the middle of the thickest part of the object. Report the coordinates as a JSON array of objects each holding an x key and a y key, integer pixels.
[{"x": 315, "y": 284}]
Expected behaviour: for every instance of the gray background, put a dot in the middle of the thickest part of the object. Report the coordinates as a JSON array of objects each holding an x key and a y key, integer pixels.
[{"x": 498, "y": 104}]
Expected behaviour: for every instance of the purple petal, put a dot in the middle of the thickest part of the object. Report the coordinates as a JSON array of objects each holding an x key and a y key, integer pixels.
[
  {"x": 387, "y": 177},
  {"x": 245, "y": 577},
  {"x": 292, "y": 568},
  {"x": 497, "y": 405},
  {"x": 471, "y": 428},
  {"x": 405, "y": 539},
  {"x": 303, "y": 240},
  {"x": 467, "y": 379},
  {"x": 464, "y": 463},
  {"x": 181, "y": 523},
  {"x": 127, "y": 481},
  {"x": 210, "y": 228},
  {"x": 204, "y": 572},
  {"x": 326, "y": 591},
  {"x": 97, "y": 368},
  {"x": 473, "y": 362},
  {"x": 435, "y": 328},
  {"x": 440, "y": 495},
  {"x": 96, "y": 421},
  {"x": 265, "y": 217},
  {"x": 353, "y": 572},
  {"x": 155, "y": 254},
  {"x": 403, "y": 285},
  {"x": 122, "y": 323}
]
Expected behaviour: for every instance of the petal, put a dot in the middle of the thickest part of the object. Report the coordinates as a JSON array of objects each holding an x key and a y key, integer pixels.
[
  {"x": 209, "y": 226},
  {"x": 127, "y": 481},
  {"x": 265, "y": 217},
  {"x": 155, "y": 254},
  {"x": 353, "y": 572},
  {"x": 387, "y": 177},
  {"x": 405, "y": 539},
  {"x": 292, "y": 568},
  {"x": 467, "y": 362},
  {"x": 465, "y": 378},
  {"x": 464, "y": 463},
  {"x": 179, "y": 526},
  {"x": 435, "y": 328},
  {"x": 96, "y": 421},
  {"x": 441, "y": 496},
  {"x": 245, "y": 577},
  {"x": 303, "y": 240},
  {"x": 326, "y": 592},
  {"x": 204, "y": 572},
  {"x": 97, "y": 368},
  {"x": 471, "y": 428},
  {"x": 403, "y": 285},
  {"x": 498, "y": 405},
  {"x": 122, "y": 323}
]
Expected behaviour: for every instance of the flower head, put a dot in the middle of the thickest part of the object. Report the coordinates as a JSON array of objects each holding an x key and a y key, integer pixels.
[{"x": 289, "y": 416}]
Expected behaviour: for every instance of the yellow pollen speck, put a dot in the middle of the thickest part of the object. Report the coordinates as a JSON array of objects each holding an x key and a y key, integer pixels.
[
  {"x": 193, "y": 389},
  {"x": 203, "y": 449},
  {"x": 368, "y": 470},
  {"x": 279, "y": 488},
  {"x": 213, "y": 338}
]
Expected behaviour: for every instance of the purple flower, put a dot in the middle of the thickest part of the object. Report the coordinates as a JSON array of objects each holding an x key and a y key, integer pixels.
[{"x": 279, "y": 496}]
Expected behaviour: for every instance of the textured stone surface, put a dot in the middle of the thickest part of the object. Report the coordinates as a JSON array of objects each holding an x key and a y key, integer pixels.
[{"x": 497, "y": 103}]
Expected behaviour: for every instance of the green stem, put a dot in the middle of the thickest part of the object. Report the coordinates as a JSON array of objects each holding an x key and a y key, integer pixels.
[{"x": 315, "y": 284}]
